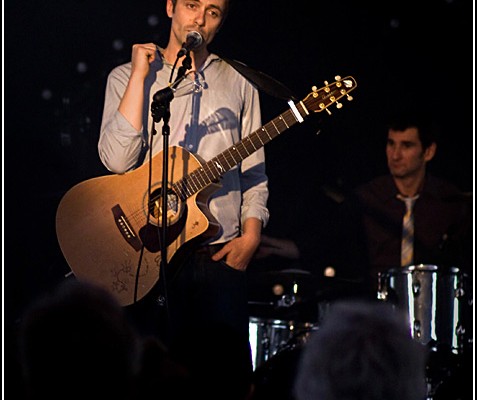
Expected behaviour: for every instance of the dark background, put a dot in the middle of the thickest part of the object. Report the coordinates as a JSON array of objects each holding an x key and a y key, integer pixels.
[{"x": 58, "y": 54}]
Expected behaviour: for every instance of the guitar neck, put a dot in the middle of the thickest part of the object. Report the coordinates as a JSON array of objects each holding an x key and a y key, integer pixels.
[{"x": 213, "y": 169}]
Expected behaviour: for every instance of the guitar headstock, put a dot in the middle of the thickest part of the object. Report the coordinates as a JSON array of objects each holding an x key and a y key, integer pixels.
[{"x": 320, "y": 99}]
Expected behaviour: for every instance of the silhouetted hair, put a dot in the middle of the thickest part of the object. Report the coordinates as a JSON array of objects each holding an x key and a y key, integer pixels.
[
  {"x": 362, "y": 351},
  {"x": 76, "y": 342}
]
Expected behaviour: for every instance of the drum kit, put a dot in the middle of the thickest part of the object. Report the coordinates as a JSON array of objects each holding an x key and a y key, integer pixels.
[{"x": 287, "y": 306}]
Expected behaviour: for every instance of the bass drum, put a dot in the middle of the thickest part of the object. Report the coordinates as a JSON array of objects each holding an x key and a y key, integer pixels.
[
  {"x": 274, "y": 378},
  {"x": 268, "y": 337},
  {"x": 431, "y": 299}
]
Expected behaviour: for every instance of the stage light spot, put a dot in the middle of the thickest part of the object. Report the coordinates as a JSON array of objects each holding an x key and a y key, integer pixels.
[
  {"x": 46, "y": 94},
  {"x": 81, "y": 67},
  {"x": 153, "y": 20},
  {"x": 118, "y": 44},
  {"x": 394, "y": 23}
]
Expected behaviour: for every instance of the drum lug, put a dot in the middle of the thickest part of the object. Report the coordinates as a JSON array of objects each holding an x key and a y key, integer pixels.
[
  {"x": 416, "y": 288},
  {"x": 382, "y": 293}
]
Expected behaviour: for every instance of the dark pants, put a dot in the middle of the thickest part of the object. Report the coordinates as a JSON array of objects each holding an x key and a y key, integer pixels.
[{"x": 204, "y": 321}]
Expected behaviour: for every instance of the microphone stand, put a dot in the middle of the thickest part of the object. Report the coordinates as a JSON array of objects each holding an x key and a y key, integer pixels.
[{"x": 160, "y": 109}]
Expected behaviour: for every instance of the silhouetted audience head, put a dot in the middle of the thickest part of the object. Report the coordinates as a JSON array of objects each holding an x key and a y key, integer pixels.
[
  {"x": 161, "y": 376},
  {"x": 76, "y": 343},
  {"x": 362, "y": 351},
  {"x": 219, "y": 362}
]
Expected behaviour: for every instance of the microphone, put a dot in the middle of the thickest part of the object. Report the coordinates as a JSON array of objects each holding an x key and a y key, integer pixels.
[{"x": 193, "y": 40}]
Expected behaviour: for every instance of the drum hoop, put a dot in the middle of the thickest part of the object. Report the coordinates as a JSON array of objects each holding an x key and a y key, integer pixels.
[
  {"x": 281, "y": 322},
  {"x": 422, "y": 268}
]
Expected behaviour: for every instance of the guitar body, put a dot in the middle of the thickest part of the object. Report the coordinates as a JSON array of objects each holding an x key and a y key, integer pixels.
[
  {"x": 102, "y": 226},
  {"x": 109, "y": 228}
]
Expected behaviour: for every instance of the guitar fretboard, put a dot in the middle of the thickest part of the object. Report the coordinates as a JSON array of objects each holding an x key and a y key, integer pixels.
[{"x": 213, "y": 169}]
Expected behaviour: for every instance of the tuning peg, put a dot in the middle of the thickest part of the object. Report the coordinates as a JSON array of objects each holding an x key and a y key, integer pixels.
[
  {"x": 338, "y": 105},
  {"x": 337, "y": 77},
  {"x": 327, "y": 89},
  {"x": 349, "y": 97},
  {"x": 314, "y": 89}
]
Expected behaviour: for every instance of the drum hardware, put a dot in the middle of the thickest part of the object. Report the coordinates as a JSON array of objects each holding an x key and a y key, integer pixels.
[
  {"x": 431, "y": 299},
  {"x": 287, "y": 300},
  {"x": 382, "y": 292},
  {"x": 269, "y": 337}
]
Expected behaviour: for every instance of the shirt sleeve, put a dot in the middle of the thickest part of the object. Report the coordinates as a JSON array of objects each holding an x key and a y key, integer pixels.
[
  {"x": 119, "y": 143},
  {"x": 254, "y": 181}
]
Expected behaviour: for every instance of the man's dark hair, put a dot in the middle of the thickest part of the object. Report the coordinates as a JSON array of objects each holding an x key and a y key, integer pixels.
[{"x": 426, "y": 128}]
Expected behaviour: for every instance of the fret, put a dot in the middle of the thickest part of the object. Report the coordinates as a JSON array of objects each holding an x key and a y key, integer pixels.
[
  {"x": 284, "y": 121},
  {"x": 201, "y": 177},
  {"x": 220, "y": 166},
  {"x": 215, "y": 170},
  {"x": 247, "y": 152},
  {"x": 207, "y": 173},
  {"x": 179, "y": 191},
  {"x": 268, "y": 134},
  {"x": 187, "y": 186},
  {"x": 251, "y": 142},
  {"x": 241, "y": 149},
  {"x": 194, "y": 182},
  {"x": 232, "y": 154},
  {"x": 276, "y": 128},
  {"x": 210, "y": 177},
  {"x": 216, "y": 166},
  {"x": 259, "y": 138},
  {"x": 305, "y": 110},
  {"x": 184, "y": 188},
  {"x": 281, "y": 126}
]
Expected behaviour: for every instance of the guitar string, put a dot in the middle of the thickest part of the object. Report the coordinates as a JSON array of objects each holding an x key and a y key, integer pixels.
[
  {"x": 181, "y": 187},
  {"x": 182, "y": 190}
]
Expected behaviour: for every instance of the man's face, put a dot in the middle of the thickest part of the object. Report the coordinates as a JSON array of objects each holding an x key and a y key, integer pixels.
[
  {"x": 405, "y": 154},
  {"x": 204, "y": 16}
]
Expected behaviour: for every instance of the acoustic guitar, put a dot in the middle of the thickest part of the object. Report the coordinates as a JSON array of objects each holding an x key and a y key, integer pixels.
[{"x": 109, "y": 227}]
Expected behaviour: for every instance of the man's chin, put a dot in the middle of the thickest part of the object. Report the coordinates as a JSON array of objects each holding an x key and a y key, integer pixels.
[{"x": 397, "y": 173}]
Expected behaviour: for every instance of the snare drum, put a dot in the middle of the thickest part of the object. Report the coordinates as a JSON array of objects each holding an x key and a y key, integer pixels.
[
  {"x": 431, "y": 300},
  {"x": 268, "y": 337}
]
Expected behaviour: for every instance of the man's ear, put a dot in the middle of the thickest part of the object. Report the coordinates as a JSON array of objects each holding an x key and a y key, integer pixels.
[
  {"x": 430, "y": 152},
  {"x": 169, "y": 8}
]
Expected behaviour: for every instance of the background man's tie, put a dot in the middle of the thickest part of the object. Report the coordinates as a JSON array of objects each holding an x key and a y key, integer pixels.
[{"x": 407, "y": 243}]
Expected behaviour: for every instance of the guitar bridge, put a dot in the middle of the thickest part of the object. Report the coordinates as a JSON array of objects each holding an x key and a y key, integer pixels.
[{"x": 125, "y": 228}]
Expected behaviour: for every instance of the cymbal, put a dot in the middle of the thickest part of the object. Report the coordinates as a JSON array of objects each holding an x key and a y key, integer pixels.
[{"x": 288, "y": 273}]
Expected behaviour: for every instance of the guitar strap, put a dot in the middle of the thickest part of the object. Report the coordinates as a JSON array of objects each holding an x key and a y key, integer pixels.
[{"x": 262, "y": 81}]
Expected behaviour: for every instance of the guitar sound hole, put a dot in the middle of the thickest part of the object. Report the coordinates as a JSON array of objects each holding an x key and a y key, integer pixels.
[{"x": 155, "y": 205}]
